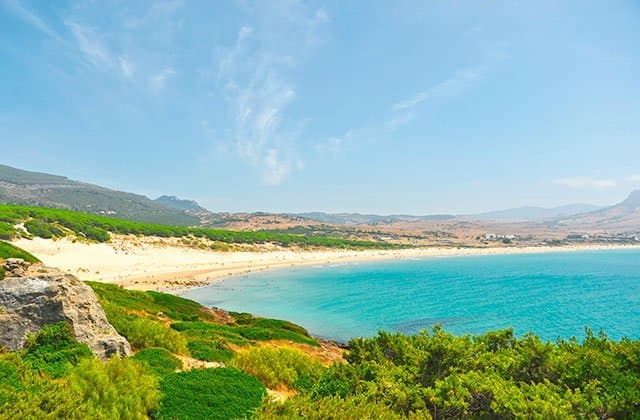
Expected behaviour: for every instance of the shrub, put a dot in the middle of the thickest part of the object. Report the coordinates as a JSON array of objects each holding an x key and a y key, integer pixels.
[
  {"x": 54, "y": 350},
  {"x": 209, "y": 350},
  {"x": 7, "y": 231},
  {"x": 223, "y": 393},
  {"x": 277, "y": 367},
  {"x": 144, "y": 333},
  {"x": 43, "y": 229},
  {"x": 159, "y": 360},
  {"x": 119, "y": 388},
  {"x": 331, "y": 408}
]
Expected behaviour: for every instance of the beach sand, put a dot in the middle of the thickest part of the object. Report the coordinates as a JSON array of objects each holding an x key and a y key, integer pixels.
[{"x": 150, "y": 264}]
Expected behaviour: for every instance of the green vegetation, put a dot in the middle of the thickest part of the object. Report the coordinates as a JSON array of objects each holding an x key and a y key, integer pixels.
[
  {"x": 209, "y": 350},
  {"x": 7, "y": 231},
  {"x": 55, "y": 377},
  {"x": 278, "y": 367},
  {"x": 9, "y": 251},
  {"x": 223, "y": 394},
  {"x": 494, "y": 375},
  {"x": 54, "y": 350},
  {"x": 331, "y": 408},
  {"x": 160, "y": 361},
  {"x": 153, "y": 319},
  {"x": 47, "y": 223},
  {"x": 144, "y": 333}
]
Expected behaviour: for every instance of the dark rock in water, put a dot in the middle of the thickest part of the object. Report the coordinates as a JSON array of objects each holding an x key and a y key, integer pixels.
[{"x": 34, "y": 296}]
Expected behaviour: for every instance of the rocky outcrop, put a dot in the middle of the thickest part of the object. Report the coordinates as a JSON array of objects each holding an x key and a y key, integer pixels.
[{"x": 32, "y": 296}]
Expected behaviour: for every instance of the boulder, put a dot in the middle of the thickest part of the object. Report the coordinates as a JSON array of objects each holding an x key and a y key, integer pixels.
[{"x": 34, "y": 296}]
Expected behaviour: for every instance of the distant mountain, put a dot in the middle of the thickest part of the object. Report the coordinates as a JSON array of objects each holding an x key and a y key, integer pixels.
[
  {"x": 622, "y": 217},
  {"x": 179, "y": 204},
  {"x": 368, "y": 219},
  {"x": 536, "y": 213},
  {"x": 46, "y": 190}
]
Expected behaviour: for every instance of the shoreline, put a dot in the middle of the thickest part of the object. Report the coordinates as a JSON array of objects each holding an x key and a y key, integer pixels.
[{"x": 147, "y": 264}]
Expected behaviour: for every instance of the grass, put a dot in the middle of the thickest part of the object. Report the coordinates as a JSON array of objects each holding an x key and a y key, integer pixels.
[
  {"x": 260, "y": 330},
  {"x": 154, "y": 319},
  {"x": 223, "y": 393},
  {"x": 159, "y": 361},
  {"x": 47, "y": 223},
  {"x": 9, "y": 251}
]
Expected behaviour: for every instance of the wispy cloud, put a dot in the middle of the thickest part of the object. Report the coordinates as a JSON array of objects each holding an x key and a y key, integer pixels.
[
  {"x": 586, "y": 182},
  {"x": 91, "y": 45},
  {"x": 253, "y": 74},
  {"x": 126, "y": 67},
  {"x": 403, "y": 111},
  {"x": 29, "y": 17},
  {"x": 158, "y": 81},
  {"x": 335, "y": 145}
]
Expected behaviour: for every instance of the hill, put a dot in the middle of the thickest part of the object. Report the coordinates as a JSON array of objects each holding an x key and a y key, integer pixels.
[
  {"x": 622, "y": 217},
  {"x": 535, "y": 213},
  {"x": 368, "y": 219},
  {"x": 45, "y": 190},
  {"x": 179, "y": 204}
]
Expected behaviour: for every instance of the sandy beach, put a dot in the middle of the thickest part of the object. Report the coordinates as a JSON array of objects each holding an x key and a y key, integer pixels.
[{"x": 149, "y": 264}]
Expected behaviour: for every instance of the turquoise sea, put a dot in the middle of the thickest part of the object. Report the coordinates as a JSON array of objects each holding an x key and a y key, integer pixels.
[{"x": 552, "y": 294}]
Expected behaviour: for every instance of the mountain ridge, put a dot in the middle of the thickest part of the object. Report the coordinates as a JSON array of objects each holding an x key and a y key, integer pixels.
[{"x": 18, "y": 186}]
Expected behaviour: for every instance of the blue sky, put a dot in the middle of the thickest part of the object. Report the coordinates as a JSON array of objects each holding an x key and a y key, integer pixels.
[{"x": 384, "y": 107}]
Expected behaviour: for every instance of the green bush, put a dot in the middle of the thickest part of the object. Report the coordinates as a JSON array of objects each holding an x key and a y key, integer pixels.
[
  {"x": 92, "y": 389},
  {"x": 54, "y": 350},
  {"x": 119, "y": 388},
  {"x": 9, "y": 251},
  {"x": 158, "y": 360},
  {"x": 223, "y": 393},
  {"x": 277, "y": 367},
  {"x": 43, "y": 229},
  {"x": 144, "y": 333},
  {"x": 7, "y": 231},
  {"x": 331, "y": 408},
  {"x": 209, "y": 350}
]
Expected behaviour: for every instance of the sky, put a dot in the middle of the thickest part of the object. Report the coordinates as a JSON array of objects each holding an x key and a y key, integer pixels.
[{"x": 415, "y": 107}]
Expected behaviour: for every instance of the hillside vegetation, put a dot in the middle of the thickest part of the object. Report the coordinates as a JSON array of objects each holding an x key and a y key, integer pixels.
[
  {"x": 49, "y": 223},
  {"x": 39, "y": 189}
]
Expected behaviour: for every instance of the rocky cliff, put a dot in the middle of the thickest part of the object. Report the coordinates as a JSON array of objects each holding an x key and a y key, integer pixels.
[{"x": 32, "y": 296}]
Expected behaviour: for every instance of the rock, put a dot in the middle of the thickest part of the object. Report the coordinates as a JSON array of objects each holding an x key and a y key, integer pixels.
[
  {"x": 34, "y": 296},
  {"x": 16, "y": 267}
]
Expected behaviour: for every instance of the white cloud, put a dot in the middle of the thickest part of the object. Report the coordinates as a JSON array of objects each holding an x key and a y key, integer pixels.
[
  {"x": 158, "y": 80},
  {"x": 253, "y": 74},
  {"x": 403, "y": 111},
  {"x": 450, "y": 87},
  {"x": 635, "y": 178},
  {"x": 29, "y": 17},
  {"x": 586, "y": 182},
  {"x": 275, "y": 169},
  {"x": 126, "y": 66},
  {"x": 335, "y": 145},
  {"x": 91, "y": 46}
]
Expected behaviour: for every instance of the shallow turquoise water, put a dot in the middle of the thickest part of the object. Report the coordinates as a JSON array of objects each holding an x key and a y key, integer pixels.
[{"x": 553, "y": 294}]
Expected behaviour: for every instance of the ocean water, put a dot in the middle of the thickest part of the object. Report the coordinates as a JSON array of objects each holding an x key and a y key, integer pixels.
[{"x": 552, "y": 294}]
